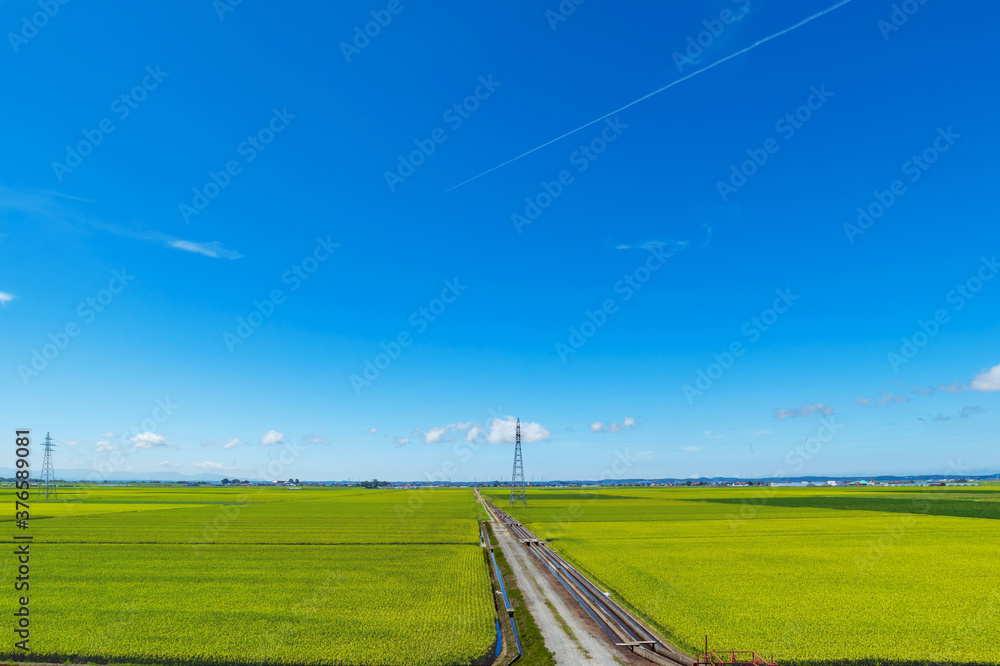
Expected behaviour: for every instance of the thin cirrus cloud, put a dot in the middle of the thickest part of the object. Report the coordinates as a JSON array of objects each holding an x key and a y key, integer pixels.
[
  {"x": 614, "y": 426},
  {"x": 439, "y": 434},
  {"x": 210, "y": 466},
  {"x": 213, "y": 249},
  {"x": 6, "y": 298},
  {"x": 316, "y": 438},
  {"x": 803, "y": 410},
  {"x": 668, "y": 247},
  {"x": 888, "y": 398},
  {"x": 49, "y": 205}
]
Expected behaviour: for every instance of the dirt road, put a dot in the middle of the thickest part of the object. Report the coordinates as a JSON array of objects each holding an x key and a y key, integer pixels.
[{"x": 566, "y": 634}]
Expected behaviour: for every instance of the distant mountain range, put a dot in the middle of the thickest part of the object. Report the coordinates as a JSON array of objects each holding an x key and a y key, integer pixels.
[{"x": 87, "y": 474}]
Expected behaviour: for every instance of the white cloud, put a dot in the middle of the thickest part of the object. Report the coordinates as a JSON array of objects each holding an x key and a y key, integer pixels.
[
  {"x": 213, "y": 249},
  {"x": 435, "y": 435},
  {"x": 232, "y": 443},
  {"x": 104, "y": 446},
  {"x": 987, "y": 380},
  {"x": 862, "y": 401},
  {"x": 317, "y": 438},
  {"x": 402, "y": 441},
  {"x": 208, "y": 465},
  {"x": 475, "y": 432},
  {"x": 372, "y": 431},
  {"x": 502, "y": 431},
  {"x": 70, "y": 442},
  {"x": 804, "y": 410},
  {"x": 6, "y": 298},
  {"x": 614, "y": 426},
  {"x": 272, "y": 437},
  {"x": 148, "y": 440}
]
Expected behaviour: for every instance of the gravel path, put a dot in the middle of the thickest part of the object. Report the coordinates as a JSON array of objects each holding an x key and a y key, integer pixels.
[{"x": 537, "y": 586}]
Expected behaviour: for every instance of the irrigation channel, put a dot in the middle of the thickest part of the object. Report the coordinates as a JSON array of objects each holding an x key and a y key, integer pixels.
[
  {"x": 485, "y": 538},
  {"x": 623, "y": 629}
]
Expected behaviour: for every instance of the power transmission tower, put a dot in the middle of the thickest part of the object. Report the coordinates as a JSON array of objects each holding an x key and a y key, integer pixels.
[
  {"x": 517, "y": 491},
  {"x": 48, "y": 474}
]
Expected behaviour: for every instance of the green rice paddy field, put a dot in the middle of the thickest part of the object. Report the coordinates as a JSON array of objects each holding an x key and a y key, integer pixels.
[
  {"x": 813, "y": 575},
  {"x": 251, "y": 575}
]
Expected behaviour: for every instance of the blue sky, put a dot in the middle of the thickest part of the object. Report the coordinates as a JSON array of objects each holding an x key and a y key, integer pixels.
[{"x": 185, "y": 167}]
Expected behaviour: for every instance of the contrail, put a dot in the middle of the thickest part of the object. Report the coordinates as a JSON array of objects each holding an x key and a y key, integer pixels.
[{"x": 659, "y": 90}]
